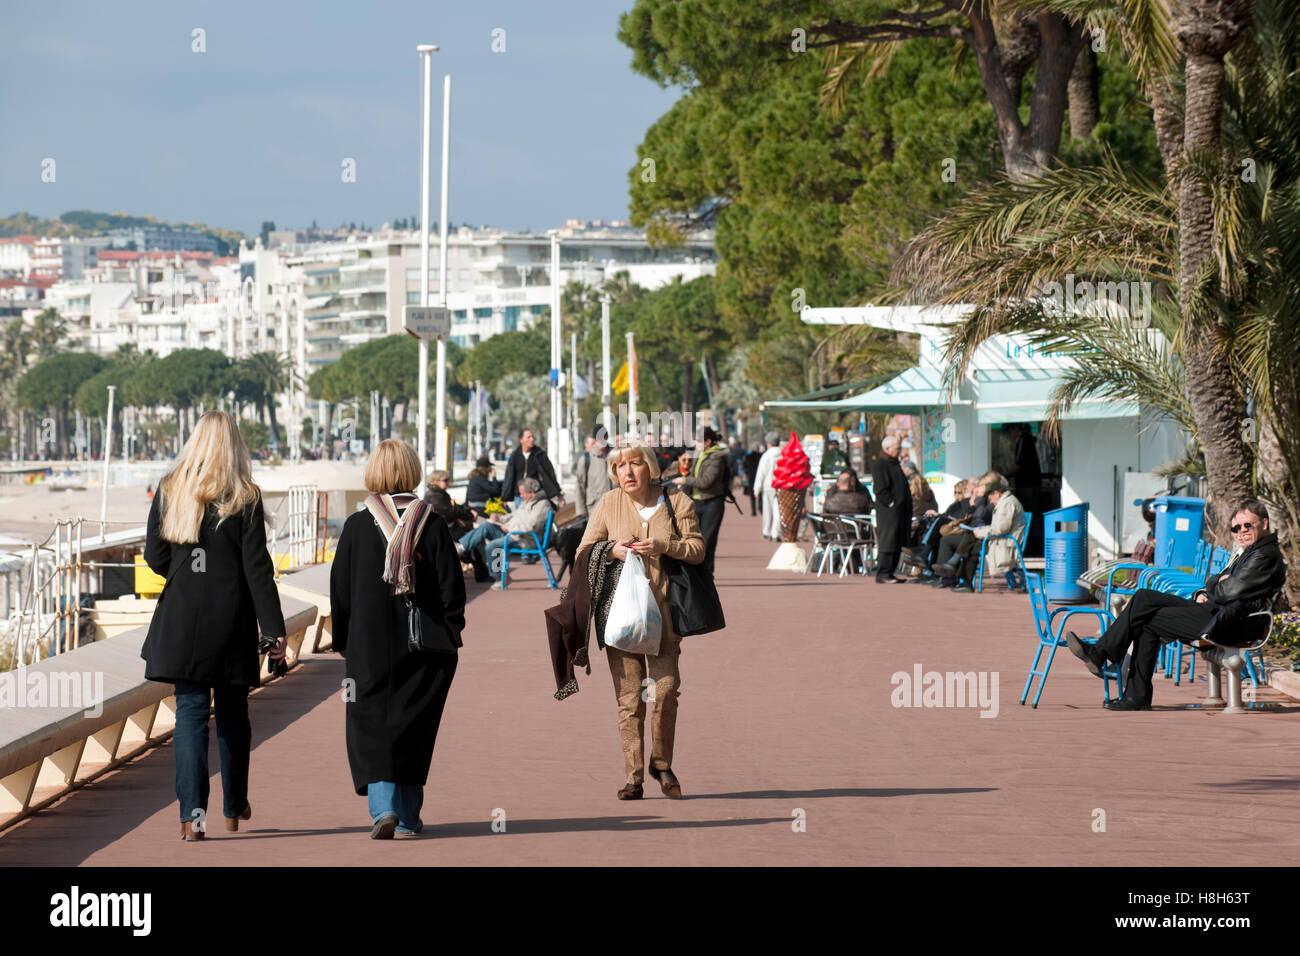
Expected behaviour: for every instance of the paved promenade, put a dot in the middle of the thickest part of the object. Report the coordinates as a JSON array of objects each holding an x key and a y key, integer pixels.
[{"x": 788, "y": 714}]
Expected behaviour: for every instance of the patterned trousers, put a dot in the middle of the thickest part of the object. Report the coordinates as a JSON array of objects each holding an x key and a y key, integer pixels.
[{"x": 634, "y": 689}]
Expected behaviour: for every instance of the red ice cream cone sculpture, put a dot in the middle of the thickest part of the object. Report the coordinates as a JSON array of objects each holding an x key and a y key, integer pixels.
[{"x": 790, "y": 479}]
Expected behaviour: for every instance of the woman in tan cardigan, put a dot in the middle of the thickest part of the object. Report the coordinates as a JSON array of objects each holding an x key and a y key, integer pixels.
[{"x": 634, "y": 517}]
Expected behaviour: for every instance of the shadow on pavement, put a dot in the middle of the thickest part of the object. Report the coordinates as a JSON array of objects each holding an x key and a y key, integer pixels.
[{"x": 839, "y": 792}]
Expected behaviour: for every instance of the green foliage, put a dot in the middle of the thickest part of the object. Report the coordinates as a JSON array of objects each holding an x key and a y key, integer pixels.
[
  {"x": 257, "y": 435},
  {"x": 53, "y": 382},
  {"x": 523, "y": 402},
  {"x": 522, "y": 352}
]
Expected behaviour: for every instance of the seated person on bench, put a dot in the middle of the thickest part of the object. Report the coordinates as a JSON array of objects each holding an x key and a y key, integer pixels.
[
  {"x": 1152, "y": 617},
  {"x": 1008, "y": 518}
]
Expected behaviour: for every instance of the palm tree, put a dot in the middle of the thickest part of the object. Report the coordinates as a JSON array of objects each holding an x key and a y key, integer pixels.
[
  {"x": 48, "y": 331},
  {"x": 266, "y": 374},
  {"x": 1231, "y": 337}
]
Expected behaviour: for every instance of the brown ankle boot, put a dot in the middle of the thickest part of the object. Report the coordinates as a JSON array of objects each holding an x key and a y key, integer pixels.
[
  {"x": 189, "y": 834},
  {"x": 232, "y": 823}
]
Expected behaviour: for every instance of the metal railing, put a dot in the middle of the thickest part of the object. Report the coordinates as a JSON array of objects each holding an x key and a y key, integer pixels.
[
  {"x": 295, "y": 533},
  {"x": 50, "y": 584}
]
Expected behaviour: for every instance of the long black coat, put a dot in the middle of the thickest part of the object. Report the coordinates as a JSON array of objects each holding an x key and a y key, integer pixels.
[
  {"x": 204, "y": 628},
  {"x": 893, "y": 504},
  {"x": 538, "y": 466},
  {"x": 396, "y": 703}
]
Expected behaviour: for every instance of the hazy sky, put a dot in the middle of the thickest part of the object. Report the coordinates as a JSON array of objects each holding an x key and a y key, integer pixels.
[{"x": 257, "y": 126}]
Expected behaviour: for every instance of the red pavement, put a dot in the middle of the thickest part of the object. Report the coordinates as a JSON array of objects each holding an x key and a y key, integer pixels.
[{"x": 787, "y": 710}]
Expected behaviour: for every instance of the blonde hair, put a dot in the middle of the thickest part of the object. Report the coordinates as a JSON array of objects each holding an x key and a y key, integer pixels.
[
  {"x": 213, "y": 469},
  {"x": 635, "y": 448},
  {"x": 435, "y": 476},
  {"x": 393, "y": 467}
]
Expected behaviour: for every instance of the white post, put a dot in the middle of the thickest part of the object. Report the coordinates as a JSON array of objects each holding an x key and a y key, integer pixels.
[
  {"x": 426, "y": 51},
  {"x": 555, "y": 340},
  {"x": 605, "y": 418},
  {"x": 108, "y": 453},
  {"x": 631, "y": 387},
  {"x": 441, "y": 451},
  {"x": 574, "y": 444}
]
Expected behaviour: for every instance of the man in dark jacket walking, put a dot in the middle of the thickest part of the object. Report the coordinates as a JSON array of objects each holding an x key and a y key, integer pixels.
[
  {"x": 893, "y": 510},
  {"x": 708, "y": 485},
  {"x": 1248, "y": 584},
  {"x": 529, "y": 461}
]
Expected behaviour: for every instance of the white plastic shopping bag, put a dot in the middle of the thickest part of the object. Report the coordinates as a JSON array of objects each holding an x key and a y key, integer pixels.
[{"x": 634, "y": 625}]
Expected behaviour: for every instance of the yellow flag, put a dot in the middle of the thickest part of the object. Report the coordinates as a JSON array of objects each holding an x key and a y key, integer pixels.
[{"x": 620, "y": 383}]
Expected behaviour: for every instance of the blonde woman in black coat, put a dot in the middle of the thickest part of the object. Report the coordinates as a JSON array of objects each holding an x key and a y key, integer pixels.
[
  {"x": 396, "y": 695},
  {"x": 207, "y": 537}
]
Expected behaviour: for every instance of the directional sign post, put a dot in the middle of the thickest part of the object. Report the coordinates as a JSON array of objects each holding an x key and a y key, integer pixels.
[{"x": 427, "y": 322}]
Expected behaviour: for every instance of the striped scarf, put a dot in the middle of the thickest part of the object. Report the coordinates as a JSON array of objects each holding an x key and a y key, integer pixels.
[{"x": 402, "y": 533}]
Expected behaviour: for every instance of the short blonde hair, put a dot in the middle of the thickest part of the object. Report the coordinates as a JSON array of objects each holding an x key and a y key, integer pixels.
[
  {"x": 393, "y": 467},
  {"x": 635, "y": 448},
  {"x": 438, "y": 475}
]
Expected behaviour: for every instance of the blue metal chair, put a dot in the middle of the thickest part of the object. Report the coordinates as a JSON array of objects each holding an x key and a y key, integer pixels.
[
  {"x": 1112, "y": 588},
  {"x": 1018, "y": 544},
  {"x": 1050, "y": 637},
  {"x": 539, "y": 548}
]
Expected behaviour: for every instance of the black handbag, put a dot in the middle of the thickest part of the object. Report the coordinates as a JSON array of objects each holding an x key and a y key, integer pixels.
[
  {"x": 692, "y": 596},
  {"x": 424, "y": 633}
]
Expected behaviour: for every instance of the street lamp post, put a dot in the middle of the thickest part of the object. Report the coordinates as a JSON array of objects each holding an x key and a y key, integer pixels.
[
  {"x": 554, "y": 436},
  {"x": 426, "y": 51},
  {"x": 442, "y": 451},
  {"x": 108, "y": 454},
  {"x": 604, "y": 367}
]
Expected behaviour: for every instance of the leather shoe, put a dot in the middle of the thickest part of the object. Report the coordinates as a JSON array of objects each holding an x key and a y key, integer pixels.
[
  {"x": 947, "y": 570},
  {"x": 1124, "y": 703},
  {"x": 232, "y": 823},
  {"x": 631, "y": 791},
  {"x": 189, "y": 834},
  {"x": 384, "y": 827},
  {"x": 962, "y": 588},
  {"x": 1085, "y": 652},
  {"x": 668, "y": 783}
]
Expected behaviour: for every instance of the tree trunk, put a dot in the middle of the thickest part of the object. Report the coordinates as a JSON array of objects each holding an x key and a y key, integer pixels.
[
  {"x": 1026, "y": 150},
  {"x": 274, "y": 437},
  {"x": 659, "y": 385},
  {"x": 688, "y": 388},
  {"x": 711, "y": 364},
  {"x": 1207, "y": 29},
  {"x": 1084, "y": 90}
]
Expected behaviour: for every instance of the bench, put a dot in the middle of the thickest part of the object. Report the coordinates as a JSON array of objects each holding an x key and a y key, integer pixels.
[{"x": 1249, "y": 635}]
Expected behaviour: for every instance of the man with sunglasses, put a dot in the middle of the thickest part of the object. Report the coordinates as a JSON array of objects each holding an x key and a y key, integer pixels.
[{"x": 1248, "y": 584}]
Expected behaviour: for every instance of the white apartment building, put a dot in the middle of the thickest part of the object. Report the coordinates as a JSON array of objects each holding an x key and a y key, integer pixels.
[
  {"x": 351, "y": 292},
  {"x": 16, "y": 255},
  {"x": 65, "y": 258}
]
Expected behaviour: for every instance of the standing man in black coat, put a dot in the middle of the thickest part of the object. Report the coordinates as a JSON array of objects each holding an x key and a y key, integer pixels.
[
  {"x": 529, "y": 461},
  {"x": 207, "y": 535},
  {"x": 1249, "y": 584},
  {"x": 893, "y": 510}
]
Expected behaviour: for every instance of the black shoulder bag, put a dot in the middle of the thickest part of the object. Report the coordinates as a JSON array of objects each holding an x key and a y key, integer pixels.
[
  {"x": 692, "y": 596},
  {"x": 424, "y": 633}
]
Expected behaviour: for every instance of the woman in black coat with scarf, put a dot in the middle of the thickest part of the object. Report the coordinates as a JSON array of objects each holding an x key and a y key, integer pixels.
[
  {"x": 206, "y": 535},
  {"x": 395, "y": 696}
]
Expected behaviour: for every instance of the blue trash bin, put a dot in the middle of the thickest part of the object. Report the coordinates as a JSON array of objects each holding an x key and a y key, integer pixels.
[
  {"x": 1065, "y": 550},
  {"x": 1182, "y": 521}
]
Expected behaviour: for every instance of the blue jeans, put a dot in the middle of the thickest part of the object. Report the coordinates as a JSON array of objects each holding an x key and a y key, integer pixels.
[
  {"x": 488, "y": 531},
  {"x": 190, "y": 742},
  {"x": 404, "y": 799}
]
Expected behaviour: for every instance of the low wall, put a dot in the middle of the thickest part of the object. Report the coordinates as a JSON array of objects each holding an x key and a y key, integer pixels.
[{"x": 105, "y": 714}]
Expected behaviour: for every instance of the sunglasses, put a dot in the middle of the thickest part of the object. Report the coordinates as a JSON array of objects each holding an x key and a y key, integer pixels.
[{"x": 1243, "y": 527}]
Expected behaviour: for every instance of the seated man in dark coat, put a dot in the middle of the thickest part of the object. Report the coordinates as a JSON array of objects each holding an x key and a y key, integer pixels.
[
  {"x": 848, "y": 497},
  {"x": 1250, "y": 583}
]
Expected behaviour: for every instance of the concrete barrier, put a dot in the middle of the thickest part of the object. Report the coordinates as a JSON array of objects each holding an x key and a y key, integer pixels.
[{"x": 106, "y": 713}]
